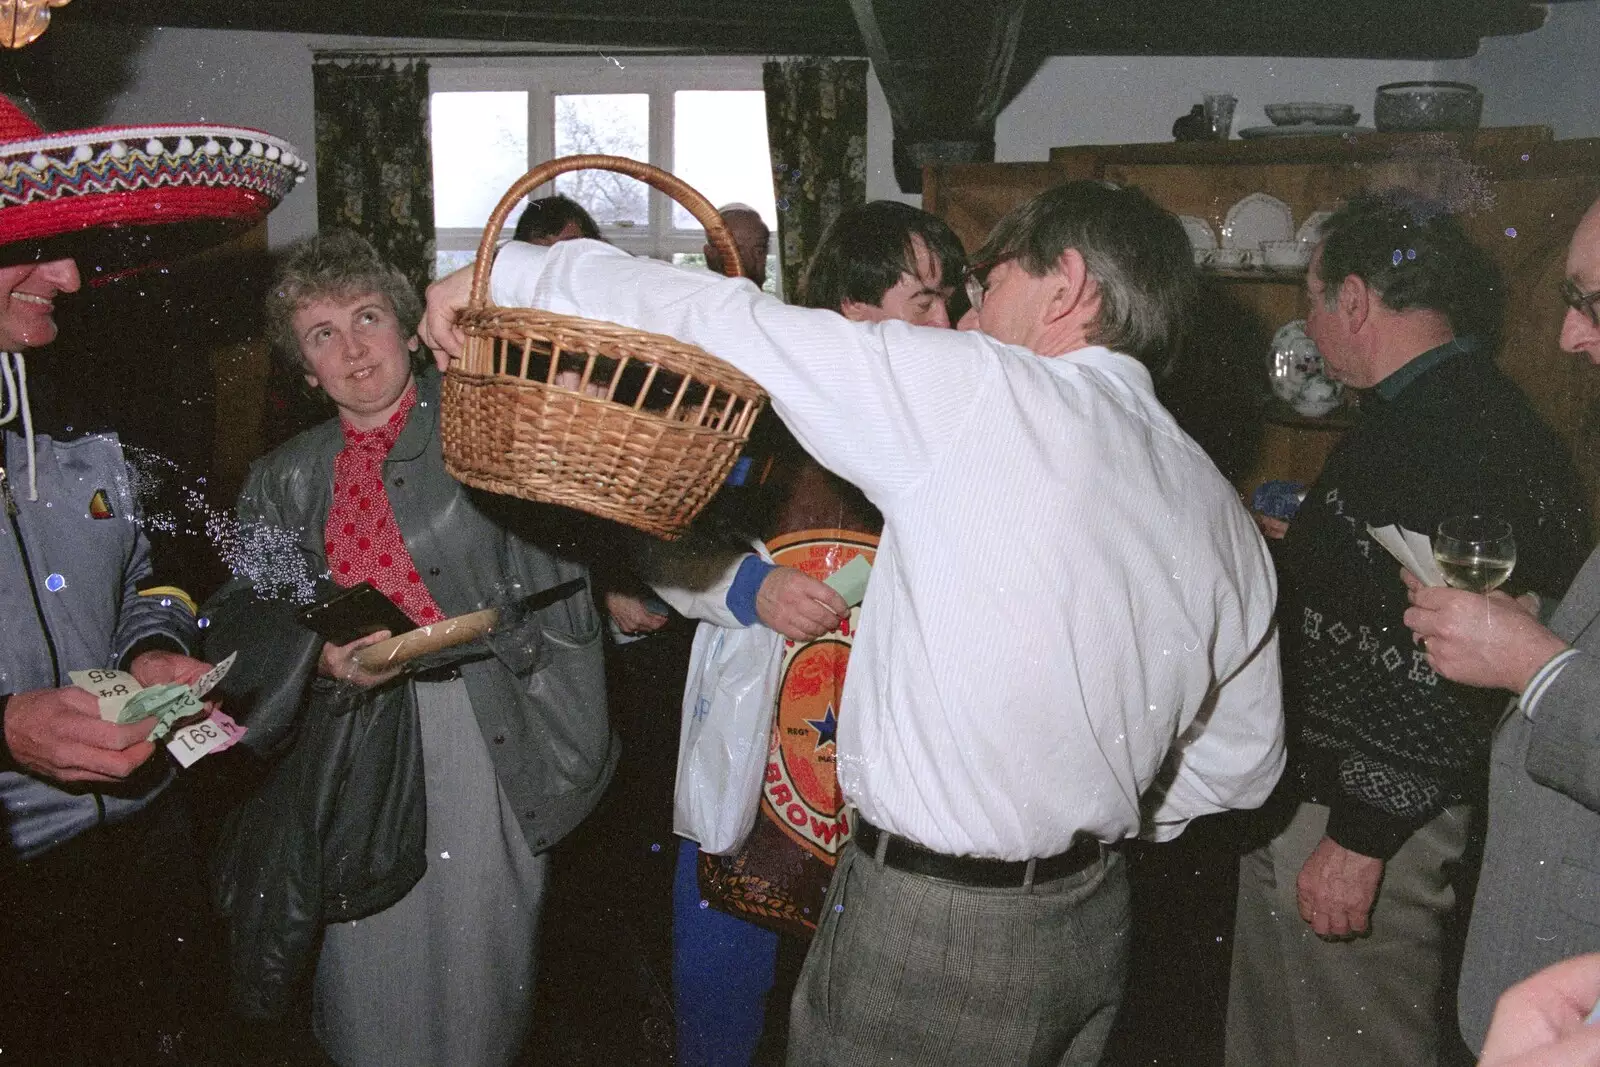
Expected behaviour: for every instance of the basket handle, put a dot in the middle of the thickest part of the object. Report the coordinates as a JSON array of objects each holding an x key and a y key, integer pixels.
[{"x": 708, "y": 216}]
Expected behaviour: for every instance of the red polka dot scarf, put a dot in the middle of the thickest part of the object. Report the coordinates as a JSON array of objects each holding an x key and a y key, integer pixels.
[{"x": 364, "y": 542}]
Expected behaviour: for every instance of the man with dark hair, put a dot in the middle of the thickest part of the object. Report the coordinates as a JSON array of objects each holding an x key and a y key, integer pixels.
[
  {"x": 554, "y": 218},
  {"x": 885, "y": 260},
  {"x": 1066, "y": 593},
  {"x": 875, "y": 263},
  {"x": 1541, "y": 863},
  {"x": 1341, "y": 914}
]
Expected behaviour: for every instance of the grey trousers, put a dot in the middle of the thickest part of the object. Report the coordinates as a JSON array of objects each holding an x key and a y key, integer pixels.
[
  {"x": 911, "y": 970},
  {"x": 444, "y": 977},
  {"x": 1295, "y": 1000}
]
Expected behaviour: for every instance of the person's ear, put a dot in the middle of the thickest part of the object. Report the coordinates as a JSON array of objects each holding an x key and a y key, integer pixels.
[
  {"x": 1074, "y": 286},
  {"x": 411, "y": 345},
  {"x": 311, "y": 381},
  {"x": 1355, "y": 301},
  {"x": 855, "y": 310}
]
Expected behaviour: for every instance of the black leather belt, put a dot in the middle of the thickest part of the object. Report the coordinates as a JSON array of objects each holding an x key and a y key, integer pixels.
[{"x": 906, "y": 855}]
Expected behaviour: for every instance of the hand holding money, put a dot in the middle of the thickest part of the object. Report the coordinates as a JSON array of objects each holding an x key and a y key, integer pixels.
[
  {"x": 59, "y": 734},
  {"x": 122, "y": 697}
]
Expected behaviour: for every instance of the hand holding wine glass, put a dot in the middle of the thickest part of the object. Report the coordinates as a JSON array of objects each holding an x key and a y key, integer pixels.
[{"x": 1475, "y": 552}]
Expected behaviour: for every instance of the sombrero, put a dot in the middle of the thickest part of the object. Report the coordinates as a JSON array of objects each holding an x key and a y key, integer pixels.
[{"x": 119, "y": 198}]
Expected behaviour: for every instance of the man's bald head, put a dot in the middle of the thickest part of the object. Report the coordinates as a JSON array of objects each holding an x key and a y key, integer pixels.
[{"x": 750, "y": 236}]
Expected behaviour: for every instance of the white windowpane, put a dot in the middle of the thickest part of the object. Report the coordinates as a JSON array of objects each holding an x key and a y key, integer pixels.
[
  {"x": 616, "y": 124},
  {"x": 719, "y": 146},
  {"x": 480, "y": 147},
  {"x": 698, "y": 259},
  {"x": 448, "y": 262}
]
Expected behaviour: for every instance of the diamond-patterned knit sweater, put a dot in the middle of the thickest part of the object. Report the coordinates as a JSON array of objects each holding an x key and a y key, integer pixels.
[{"x": 1374, "y": 732}]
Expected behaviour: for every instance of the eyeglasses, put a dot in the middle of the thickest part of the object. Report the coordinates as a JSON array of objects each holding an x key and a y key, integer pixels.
[
  {"x": 1578, "y": 300},
  {"x": 975, "y": 280}
]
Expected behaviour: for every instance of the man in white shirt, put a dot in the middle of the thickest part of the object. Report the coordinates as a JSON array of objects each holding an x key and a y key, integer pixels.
[{"x": 1067, "y": 639}]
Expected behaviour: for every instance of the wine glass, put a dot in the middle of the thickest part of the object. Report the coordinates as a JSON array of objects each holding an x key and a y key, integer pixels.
[{"x": 1475, "y": 552}]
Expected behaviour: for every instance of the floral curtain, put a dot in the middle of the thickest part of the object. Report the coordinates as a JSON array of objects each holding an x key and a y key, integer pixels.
[
  {"x": 374, "y": 164},
  {"x": 817, "y": 129}
]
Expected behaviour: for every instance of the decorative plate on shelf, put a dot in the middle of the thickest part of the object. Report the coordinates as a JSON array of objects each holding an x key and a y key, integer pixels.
[
  {"x": 1257, "y": 218},
  {"x": 1297, "y": 375},
  {"x": 1310, "y": 231},
  {"x": 1201, "y": 235},
  {"x": 1303, "y": 129}
]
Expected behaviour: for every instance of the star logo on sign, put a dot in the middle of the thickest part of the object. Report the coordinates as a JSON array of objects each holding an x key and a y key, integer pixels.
[{"x": 826, "y": 727}]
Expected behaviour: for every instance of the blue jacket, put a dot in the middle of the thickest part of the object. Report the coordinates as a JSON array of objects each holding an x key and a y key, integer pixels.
[{"x": 70, "y": 600}]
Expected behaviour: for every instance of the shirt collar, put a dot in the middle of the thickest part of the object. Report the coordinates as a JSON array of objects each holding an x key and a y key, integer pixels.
[
  {"x": 1395, "y": 384},
  {"x": 1104, "y": 359}
]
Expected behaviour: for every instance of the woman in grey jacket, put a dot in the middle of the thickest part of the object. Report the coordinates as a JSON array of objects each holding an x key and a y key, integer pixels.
[{"x": 515, "y": 747}]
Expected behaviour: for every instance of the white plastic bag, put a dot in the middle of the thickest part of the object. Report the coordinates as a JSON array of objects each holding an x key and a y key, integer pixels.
[{"x": 727, "y": 726}]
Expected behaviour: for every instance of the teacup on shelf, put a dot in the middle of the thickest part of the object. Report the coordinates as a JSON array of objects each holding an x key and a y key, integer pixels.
[
  {"x": 1226, "y": 258},
  {"x": 1285, "y": 255}
]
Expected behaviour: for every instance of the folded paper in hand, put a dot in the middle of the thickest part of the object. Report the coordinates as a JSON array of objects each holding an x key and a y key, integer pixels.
[
  {"x": 1413, "y": 550},
  {"x": 850, "y": 581}
]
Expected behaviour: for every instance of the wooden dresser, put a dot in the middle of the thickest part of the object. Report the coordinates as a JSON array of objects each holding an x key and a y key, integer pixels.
[{"x": 1526, "y": 191}]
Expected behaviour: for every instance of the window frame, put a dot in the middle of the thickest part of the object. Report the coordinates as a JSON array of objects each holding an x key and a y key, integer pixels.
[{"x": 546, "y": 78}]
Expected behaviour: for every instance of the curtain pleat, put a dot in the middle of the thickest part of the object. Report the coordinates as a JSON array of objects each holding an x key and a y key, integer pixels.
[{"x": 817, "y": 132}]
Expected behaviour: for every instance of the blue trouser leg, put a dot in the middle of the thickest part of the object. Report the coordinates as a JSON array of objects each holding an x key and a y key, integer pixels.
[{"x": 722, "y": 971}]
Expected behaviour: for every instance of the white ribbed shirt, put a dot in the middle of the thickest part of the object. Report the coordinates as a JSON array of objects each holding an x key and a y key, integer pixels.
[{"x": 1070, "y": 612}]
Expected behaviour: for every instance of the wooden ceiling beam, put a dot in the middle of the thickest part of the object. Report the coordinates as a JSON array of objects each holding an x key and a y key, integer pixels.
[{"x": 1372, "y": 29}]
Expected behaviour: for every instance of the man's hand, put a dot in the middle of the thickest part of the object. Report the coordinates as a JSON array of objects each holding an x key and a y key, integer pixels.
[
  {"x": 1488, "y": 641},
  {"x": 58, "y": 734},
  {"x": 338, "y": 662},
  {"x": 1337, "y": 889},
  {"x": 1271, "y": 528},
  {"x": 438, "y": 328},
  {"x": 631, "y": 615},
  {"x": 162, "y": 668},
  {"x": 798, "y": 606},
  {"x": 1540, "y": 1022}
]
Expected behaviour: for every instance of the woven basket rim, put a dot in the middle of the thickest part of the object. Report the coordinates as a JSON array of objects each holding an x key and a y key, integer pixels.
[
  {"x": 488, "y": 322},
  {"x": 475, "y": 379}
]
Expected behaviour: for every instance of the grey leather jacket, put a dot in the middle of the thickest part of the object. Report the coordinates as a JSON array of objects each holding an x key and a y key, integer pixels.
[
  {"x": 542, "y": 709},
  {"x": 335, "y": 830}
]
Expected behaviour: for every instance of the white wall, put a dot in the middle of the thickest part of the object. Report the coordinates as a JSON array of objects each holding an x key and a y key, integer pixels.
[
  {"x": 1118, "y": 100},
  {"x": 264, "y": 79},
  {"x": 1548, "y": 77}
]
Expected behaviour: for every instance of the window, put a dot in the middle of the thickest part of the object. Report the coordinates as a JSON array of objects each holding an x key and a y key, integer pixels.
[{"x": 491, "y": 124}]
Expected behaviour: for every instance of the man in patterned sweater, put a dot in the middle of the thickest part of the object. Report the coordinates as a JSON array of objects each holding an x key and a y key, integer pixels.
[{"x": 1341, "y": 915}]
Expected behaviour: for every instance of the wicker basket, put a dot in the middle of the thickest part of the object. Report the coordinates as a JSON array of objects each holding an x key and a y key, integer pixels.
[{"x": 617, "y": 422}]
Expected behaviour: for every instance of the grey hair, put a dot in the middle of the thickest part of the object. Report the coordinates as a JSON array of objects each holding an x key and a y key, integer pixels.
[{"x": 1135, "y": 250}]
